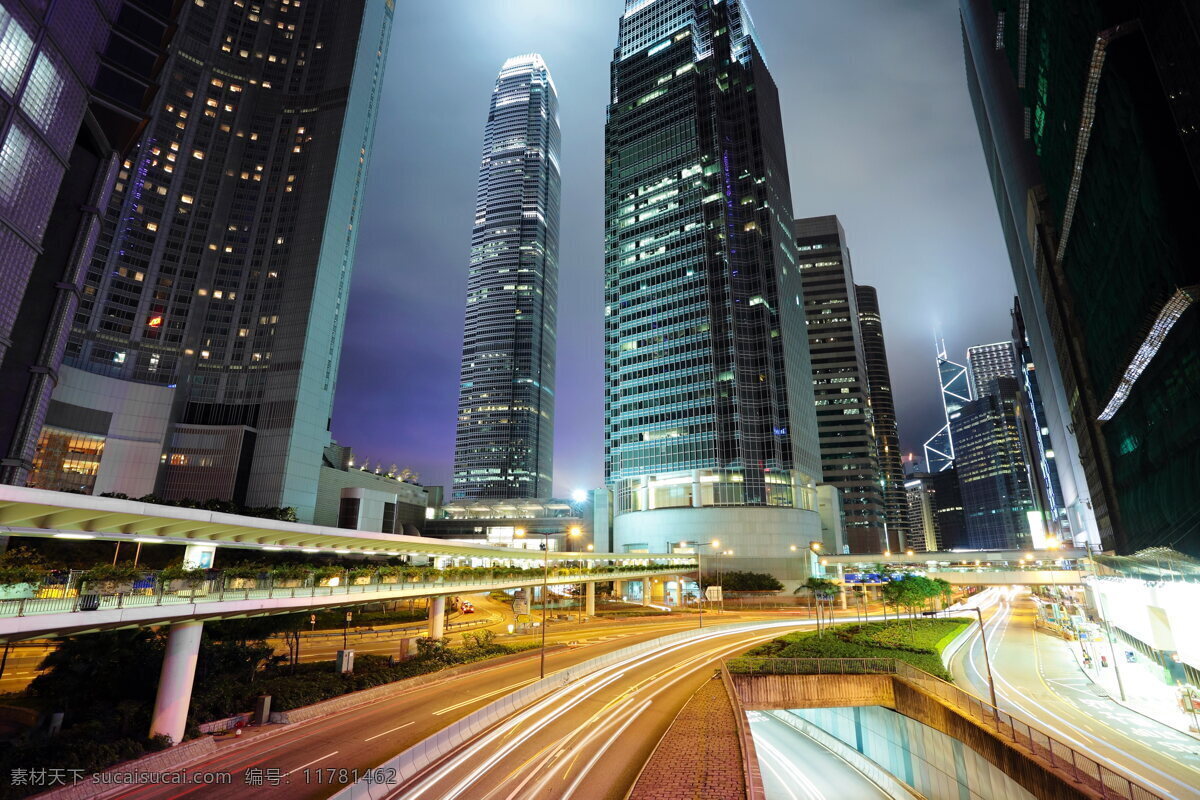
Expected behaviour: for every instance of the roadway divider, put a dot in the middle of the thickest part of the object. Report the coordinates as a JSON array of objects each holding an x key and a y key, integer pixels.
[
  {"x": 888, "y": 783},
  {"x": 395, "y": 773}
]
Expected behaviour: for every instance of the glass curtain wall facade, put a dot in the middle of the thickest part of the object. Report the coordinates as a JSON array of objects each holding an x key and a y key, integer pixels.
[
  {"x": 1088, "y": 118},
  {"x": 221, "y": 275},
  {"x": 887, "y": 436},
  {"x": 989, "y": 458},
  {"x": 76, "y": 80},
  {"x": 845, "y": 423},
  {"x": 504, "y": 445},
  {"x": 708, "y": 400},
  {"x": 1042, "y": 459},
  {"x": 955, "y": 387}
]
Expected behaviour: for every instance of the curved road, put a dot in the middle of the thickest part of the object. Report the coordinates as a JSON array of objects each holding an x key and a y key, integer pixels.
[
  {"x": 590, "y": 738},
  {"x": 1035, "y": 683},
  {"x": 794, "y": 767}
]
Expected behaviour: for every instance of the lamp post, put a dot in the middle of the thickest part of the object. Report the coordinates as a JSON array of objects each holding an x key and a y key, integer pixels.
[
  {"x": 700, "y": 571},
  {"x": 982, "y": 635},
  {"x": 520, "y": 533}
]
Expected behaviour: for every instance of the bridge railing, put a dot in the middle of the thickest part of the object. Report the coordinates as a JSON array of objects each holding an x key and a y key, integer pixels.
[
  {"x": 1096, "y": 777},
  {"x": 76, "y": 595}
]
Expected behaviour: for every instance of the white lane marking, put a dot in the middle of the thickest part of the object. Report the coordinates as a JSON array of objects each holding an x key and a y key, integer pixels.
[
  {"x": 479, "y": 697},
  {"x": 787, "y": 766},
  {"x": 780, "y": 779},
  {"x": 614, "y": 737},
  {"x": 385, "y": 733},
  {"x": 309, "y": 764}
]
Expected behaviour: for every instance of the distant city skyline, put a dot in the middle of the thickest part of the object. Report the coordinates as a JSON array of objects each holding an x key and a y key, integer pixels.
[{"x": 898, "y": 160}]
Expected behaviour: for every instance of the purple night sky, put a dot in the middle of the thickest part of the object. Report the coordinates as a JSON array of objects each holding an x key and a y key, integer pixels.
[{"x": 879, "y": 130}]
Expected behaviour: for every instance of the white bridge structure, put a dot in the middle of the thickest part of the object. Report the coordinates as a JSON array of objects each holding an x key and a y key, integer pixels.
[
  {"x": 40, "y": 513},
  {"x": 1064, "y": 566}
]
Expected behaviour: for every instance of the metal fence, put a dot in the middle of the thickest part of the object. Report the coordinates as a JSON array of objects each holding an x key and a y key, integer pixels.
[
  {"x": 1091, "y": 774},
  {"x": 76, "y": 595}
]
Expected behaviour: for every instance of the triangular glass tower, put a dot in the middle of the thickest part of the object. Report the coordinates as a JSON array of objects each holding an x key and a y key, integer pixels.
[{"x": 956, "y": 392}]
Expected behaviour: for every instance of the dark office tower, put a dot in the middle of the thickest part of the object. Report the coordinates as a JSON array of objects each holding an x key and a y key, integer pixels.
[
  {"x": 996, "y": 498},
  {"x": 76, "y": 81},
  {"x": 845, "y": 425},
  {"x": 986, "y": 362},
  {"x": 1088, "y": 114},
  {"x": 505, "y": 440},
  {"x": 202, "y": 359},
  {"x": 709, "y": 420},
  {"x": 1041, "y": 458},
  {"x": 921, "y": 507},
  {"x": 887, "y": 437}
]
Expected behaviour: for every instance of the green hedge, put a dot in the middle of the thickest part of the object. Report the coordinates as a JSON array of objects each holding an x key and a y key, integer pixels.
[{"x": 920, "y": 646}]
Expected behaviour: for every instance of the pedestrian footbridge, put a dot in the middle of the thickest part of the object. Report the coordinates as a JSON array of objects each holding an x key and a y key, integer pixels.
[{"x": 967, "y": 567}]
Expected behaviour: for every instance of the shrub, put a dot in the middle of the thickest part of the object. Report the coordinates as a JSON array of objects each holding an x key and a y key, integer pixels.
[{"x": 749, "y": 582}]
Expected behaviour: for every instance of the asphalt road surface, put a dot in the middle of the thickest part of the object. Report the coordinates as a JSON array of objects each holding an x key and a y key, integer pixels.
[
  {"x": 305, "y": 760},
  {"x": 1037, "y": 681},
  {"x": 589, "y": 739},
  {"x": 794, "y": 767}
]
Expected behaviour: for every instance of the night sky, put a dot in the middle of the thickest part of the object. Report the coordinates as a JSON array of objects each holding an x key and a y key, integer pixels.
[{"x": 879, "y": 129}]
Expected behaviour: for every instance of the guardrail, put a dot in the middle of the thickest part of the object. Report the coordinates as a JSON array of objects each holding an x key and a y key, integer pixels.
[
  {"x": 1084, "y": 770},
  {"x": 83, "y": 598}
]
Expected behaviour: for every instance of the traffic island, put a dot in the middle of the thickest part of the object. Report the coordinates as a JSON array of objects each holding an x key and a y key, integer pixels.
[{"x": 700, "y": 755}]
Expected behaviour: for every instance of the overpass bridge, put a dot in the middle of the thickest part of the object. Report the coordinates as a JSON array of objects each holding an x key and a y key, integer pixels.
[
  {"x": 1064, "y": 566},
  {"x": 184, "y": 606}
]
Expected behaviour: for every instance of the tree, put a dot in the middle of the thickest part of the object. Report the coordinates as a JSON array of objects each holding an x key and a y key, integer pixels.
[
  {"x": 750, "y": 582},
  {"x": 820, "y": 589}
]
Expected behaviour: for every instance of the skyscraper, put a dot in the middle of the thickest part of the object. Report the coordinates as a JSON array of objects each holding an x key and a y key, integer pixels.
[
  {"x": 955, "y": 390},
  {"x": 845, "y": 425},
  {"x": 504, "y": 445},
  {"x": 988, "y": 361},
  {"x": 202, "y": 359},
  {"x": 1087, "y": 115},
  {"x": 710, "y": 428},
  {"x": 922, "y": 515},
  {"x": 1041, "y": 459},
  {"x": 77, "y": 79},
  {"x": 996, "y": 497},
  {"x": 887, "y": 437}
]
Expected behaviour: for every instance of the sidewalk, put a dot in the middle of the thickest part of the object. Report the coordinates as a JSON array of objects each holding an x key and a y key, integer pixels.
[{"x": 1145, "y": 691}]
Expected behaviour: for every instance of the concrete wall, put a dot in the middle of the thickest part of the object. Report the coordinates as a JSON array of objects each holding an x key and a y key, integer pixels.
[
  {"x": 135, "y": 441},
  {"x": 761, "y": 692},
  {"x": 1162, "y": 615},
  {"x": 410, "y": 499},
  {"x": 761, "y": 538},
  {"x": 935, "y": 764}
]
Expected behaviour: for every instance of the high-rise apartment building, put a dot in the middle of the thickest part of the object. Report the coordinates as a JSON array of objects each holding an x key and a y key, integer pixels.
[
  {"x": 504, "y": 445},
  {"x": 709, "y": 420},
  {"x": 996, "y": 497},
  {"x": 1087, "y": 115},
  {"x": 985, "y": 362},
  {"x": 76, "y": 82},
  {"x": 887, "y": 436},
  {"x": 845, "y": 424},
  {"x": 202, "y": 358},
  {"x": 954, "y": 391}
]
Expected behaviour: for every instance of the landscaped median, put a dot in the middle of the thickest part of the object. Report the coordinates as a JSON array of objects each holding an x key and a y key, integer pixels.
[{"x": 918, "y": 642}]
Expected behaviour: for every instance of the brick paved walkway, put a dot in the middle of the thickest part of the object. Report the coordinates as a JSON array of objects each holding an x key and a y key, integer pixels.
[{"x": 699, "y": 757}]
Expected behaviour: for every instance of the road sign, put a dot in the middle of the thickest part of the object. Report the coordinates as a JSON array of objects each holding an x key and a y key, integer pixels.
[
  {"x": 520, "y": 606},
  {"x": 713, "y": 594}
]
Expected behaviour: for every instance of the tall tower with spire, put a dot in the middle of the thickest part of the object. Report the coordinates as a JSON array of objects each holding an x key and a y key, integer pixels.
[{"x": 504, "y": 445}]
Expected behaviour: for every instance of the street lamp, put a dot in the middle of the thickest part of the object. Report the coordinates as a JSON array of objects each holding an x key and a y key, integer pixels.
[
  {"x": 520, "y": 533},
  {"x": 983, "y": 635},
  {"x": 715, "y": 543}
]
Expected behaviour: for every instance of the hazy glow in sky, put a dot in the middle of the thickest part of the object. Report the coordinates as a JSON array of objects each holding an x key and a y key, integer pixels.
[{"x": 879, "y": 131}]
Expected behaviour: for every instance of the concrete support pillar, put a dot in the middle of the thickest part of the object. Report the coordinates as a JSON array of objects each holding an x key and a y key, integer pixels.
[
  {"x": 590, "y": 599},
  {"x": 646, "y": 591},
  {"x": 697, "y": 501},
  {"x": 175, "y": 681},
  {"x": 658, "y": 590},
  {"x": 845, "y": 591},
  {"x": 619, "y": 589},
  {"x": 437, "y": 617}
]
